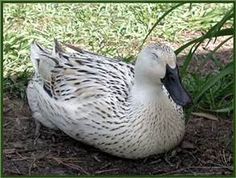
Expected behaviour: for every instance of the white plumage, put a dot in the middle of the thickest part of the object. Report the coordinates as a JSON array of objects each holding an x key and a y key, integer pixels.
[{"x": 119, "y": 108}]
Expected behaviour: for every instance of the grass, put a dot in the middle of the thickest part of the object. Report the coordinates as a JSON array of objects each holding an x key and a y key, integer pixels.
[{"x": 119, "y": 30}]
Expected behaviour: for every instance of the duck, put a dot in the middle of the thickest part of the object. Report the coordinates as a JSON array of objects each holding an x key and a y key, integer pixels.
[{"x": 126, "y": 110}]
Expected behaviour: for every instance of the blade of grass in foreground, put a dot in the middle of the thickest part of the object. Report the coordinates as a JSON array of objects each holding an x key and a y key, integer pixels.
[
  {"x": 215, "y": 31},
  {"x": 158, "y": 21},
  {"x": 223, "y": 32},
  {"x": 224, "y": 110},
  {"x": 197, "y": 42},
  {"x": 213, "y": 79}
]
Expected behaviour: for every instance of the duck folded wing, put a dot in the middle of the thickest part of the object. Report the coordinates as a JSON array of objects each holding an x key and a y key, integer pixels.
[{"x": 77, "y": 74}]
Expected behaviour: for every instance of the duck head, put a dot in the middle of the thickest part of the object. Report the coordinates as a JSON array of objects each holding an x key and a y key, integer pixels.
[{"x": 156, "y": 66}]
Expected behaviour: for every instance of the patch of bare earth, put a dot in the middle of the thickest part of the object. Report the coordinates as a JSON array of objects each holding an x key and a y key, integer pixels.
[{"x": 206, "y": 150}]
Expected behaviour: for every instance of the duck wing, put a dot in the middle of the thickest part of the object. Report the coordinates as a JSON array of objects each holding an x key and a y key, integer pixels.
[{"x": 71, "y": 74}]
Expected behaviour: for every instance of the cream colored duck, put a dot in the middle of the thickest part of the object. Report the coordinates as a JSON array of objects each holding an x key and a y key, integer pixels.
[{"x": 120, "y": 108}]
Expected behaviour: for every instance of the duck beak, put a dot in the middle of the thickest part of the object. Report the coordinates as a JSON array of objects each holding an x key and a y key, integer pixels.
[{"x": 174, "y": 86}]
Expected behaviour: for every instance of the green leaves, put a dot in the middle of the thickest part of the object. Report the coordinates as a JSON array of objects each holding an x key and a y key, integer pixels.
[
  {"x": 212, "y": 80},
  {"x": 211, "y": 92}
]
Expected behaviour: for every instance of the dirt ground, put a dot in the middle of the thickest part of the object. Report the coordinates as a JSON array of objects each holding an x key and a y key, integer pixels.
[{"x": 206, "y": 150}]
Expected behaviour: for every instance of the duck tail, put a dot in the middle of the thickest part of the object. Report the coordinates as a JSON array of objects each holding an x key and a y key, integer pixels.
[
  {"x": 43, "y": 61},
  {"x": 57, "y": 48}
]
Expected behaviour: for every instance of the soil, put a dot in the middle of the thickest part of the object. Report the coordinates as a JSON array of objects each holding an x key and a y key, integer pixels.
[{"x": 205, "y": 150}]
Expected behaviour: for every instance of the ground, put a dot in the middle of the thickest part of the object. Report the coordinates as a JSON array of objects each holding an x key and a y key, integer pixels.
[{"x": 205, "y": 150}]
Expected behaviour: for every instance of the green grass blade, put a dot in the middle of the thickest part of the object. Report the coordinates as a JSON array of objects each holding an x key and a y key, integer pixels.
[
  {"x": 158, "y": 21},
  {"x": 188, "y": 59},
  {"x": 215, "y": 31},
  {"x": 223, "y": 32},
  {"x": 225, "y": 110},
  {"x": 213, "y": 79}
]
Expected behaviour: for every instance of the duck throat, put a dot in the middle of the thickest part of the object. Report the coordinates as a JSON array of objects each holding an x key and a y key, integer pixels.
[
  {"x": 155, "y": 121},
  {"x": 145, "y": 92}
]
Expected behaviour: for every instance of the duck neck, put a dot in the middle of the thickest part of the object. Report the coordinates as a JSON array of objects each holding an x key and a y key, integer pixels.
[
  {"x": 153, "y": 119},
  {"x": 145, "y": 90}
]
